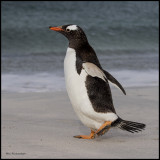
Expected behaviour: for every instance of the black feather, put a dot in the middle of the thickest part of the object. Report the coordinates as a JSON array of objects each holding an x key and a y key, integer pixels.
[{"x": 128, "y": 125}]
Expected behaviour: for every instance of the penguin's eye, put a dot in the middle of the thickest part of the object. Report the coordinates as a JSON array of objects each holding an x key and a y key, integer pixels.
[{"x": 68, "y": 30}]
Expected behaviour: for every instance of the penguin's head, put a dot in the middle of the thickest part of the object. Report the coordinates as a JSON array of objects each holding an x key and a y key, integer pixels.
[{"x": 72, "y": 32}]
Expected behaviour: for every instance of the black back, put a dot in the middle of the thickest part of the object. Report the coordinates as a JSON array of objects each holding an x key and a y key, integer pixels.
[{"x": 98, "y": 90}]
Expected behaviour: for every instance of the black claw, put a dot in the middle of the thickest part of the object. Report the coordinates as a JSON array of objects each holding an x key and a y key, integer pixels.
[{"x": 77, "y": 137}]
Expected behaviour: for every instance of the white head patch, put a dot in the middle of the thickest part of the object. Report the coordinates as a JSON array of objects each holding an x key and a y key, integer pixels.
[{"x": 72, "y": 27}]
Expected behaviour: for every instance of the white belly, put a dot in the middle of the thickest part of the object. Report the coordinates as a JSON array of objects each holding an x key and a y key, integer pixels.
[{"x": 75, "y": 85}]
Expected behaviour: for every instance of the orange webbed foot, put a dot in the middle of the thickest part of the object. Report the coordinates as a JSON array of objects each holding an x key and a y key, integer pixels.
[
  {"x": 104, "y": 128},
  {"x": 91, "y": 136}
]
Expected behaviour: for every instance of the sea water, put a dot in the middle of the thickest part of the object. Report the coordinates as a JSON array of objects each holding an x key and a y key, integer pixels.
[{"x": 124, "y": 35}]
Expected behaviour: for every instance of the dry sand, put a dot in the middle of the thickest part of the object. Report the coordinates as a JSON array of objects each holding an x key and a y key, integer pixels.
[{"x": 42, "y": 125}]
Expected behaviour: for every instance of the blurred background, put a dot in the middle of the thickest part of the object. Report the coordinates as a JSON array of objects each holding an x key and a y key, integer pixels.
[{"x": 124, "y": 34}]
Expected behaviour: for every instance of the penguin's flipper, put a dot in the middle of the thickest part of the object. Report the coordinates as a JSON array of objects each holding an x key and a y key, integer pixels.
[
  {"x": 114, "y": 81},
  {"x": 94, "y": 71}
]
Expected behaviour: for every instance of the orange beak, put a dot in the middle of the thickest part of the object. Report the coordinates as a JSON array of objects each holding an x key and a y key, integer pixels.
[{"x": 59, "y": 28}]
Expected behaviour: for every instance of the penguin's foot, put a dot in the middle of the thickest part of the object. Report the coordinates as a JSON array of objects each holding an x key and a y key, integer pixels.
[
  {"x": 104, "y": 128},
  {"x": 102, "y": 132},
  {"x": 91, "y": 136}
]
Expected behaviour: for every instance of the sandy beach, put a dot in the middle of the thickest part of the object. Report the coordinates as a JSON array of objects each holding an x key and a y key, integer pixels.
[{"x": 42, "y": 125}]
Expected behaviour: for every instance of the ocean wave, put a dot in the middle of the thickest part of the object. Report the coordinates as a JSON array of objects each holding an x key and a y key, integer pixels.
[{"x": 49, "y": 82}]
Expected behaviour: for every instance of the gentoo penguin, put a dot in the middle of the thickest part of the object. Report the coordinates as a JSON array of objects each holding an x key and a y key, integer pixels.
[{"x": 87, "y": 84}]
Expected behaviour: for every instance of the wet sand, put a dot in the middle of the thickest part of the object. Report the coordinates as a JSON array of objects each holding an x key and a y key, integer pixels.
[{"x": 42, "y": 125}]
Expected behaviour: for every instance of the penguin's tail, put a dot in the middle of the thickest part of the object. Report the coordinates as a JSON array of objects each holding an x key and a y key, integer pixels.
[{"x": 128, "y": 125}]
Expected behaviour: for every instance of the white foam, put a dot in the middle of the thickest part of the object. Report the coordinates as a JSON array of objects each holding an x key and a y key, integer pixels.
[
  {"x": 40, "y": 82},
  {"x": 133, "y": 78},
  {"x": 45, "y": 82}
]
